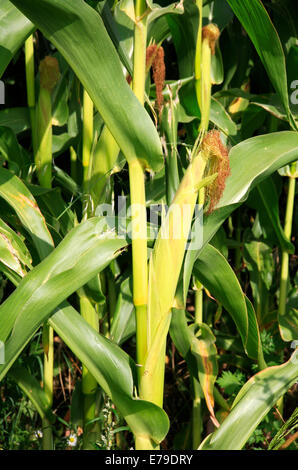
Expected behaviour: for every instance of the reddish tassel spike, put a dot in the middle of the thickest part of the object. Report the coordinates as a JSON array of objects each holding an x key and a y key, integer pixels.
[
  {"x": 159, "y": 75},
  {"x": 218, "y": 162}
]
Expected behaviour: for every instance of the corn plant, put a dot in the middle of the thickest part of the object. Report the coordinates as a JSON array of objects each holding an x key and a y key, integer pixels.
[{"x": 105, "y": 118}]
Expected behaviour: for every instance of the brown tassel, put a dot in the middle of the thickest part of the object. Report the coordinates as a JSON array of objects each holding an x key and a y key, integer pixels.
[
  {"x": 218, "y": 162},
  {"x": 155, "y": 59}
]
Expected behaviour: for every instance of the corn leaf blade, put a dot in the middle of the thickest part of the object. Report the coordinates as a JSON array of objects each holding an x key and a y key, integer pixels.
[
  {"x": 251, "y": 162},
  {"x": 79, "y": 34},
  {"x": 112, "y": 368},
  {"x": 224, "y": 286},
  {"x": 256, "y": 21},
  {"x": 15, "y": 28},
  {"x": 251, "y": 405},
  {"x": 80, "y": 256},
  {"x": 16, "y": 194}
]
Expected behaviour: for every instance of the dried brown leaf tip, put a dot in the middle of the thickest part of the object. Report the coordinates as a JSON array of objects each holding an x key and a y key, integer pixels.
[
  {"x": 217, "y": 157},
  {"x": 212, "y": 33},
  {"x": 155, "y": 59},
  {"x": 49, "y": 72}
]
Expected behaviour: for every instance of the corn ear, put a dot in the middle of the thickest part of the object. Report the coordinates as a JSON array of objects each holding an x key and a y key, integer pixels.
[
  {"x": 164, "y": 269},
  {"x": 167, "y": 257},
  {"x": 210, "y": 35}
]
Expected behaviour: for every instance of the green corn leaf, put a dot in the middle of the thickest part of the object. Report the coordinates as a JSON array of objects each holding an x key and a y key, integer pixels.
[
  {"x": 224, "y": 286},
  {"x": 16, "y": 194},
  {"x": 259, "y": 261},
  {"x": 112, "y": 368},
  {"x": 222, "y": 120},
  {"x": 13, "y": 251},
  {"x": 124, "y": 321},
  {"x": 157, "y": 11},
  {"x": 217, "y": 12},
  {"x": 184, "y": 33},
  {"x": 257, "y": 23},
  {"x": 247, "y": 170},
  {"x": 15, "y": 28},
  {"x": 217, "y": 71},
  {"x": 51, "y": 201},
  {"x": 181, "y": 337},
  {"x": 83, "y": 253},
  {"x": 8, "y": 255},
  {"x": 10, "y": 149},
  {"x": 251, "y": 161},
  {"x": 264, "y": 198},
  {"x": 251, "y": 405},
  {"x": 288, "y": 323},
  {"x": 17, "y": 119},
  {"x": 104, "y": 160},
  {"x": 55, "y": 278},
  {"x": 158, "y": 31},
  {"x": 80, "y": 36},
  {"x": 169, "y": 127},
  {"x": 18, "y": 244},
  {"x": 120, "y": 29},
  {"x": 218, "y": 114}
]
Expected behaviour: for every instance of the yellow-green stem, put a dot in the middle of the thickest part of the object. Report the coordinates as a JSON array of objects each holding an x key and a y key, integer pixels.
[
  {"x": 137, "y": 192},
  {"x": 89, "y": 384},
  {"x": 138, "y": 203},
  {"x": 198, "y": 70},
  {"x": 29, "y": 65},
  {"x": 139, "y": 51},
  {"x": 139, "y": 257},
  {"x": 206, "y": 85},
  {"x": 104, "y": 158},
  {"x": 42, "y": 142},
  {"x": 198, "y": 303},
  {"x": 285, "y": 255},
  {"x": 87, "y": 147},
  {"x": 197, "y": 419},
  {"x": 48, "y": 344},
  {"x": 43, "y": 156},
  {"x": 284, "y": 277}
]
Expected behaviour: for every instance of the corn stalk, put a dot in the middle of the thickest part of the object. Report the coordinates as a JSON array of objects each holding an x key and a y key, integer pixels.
[
  {"x": 42, "y": 132},
  {"x": 137, "y": 193}
]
